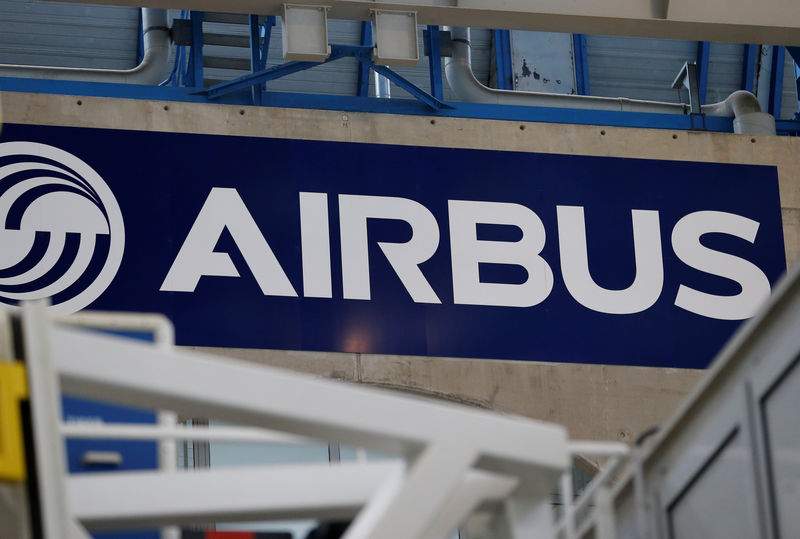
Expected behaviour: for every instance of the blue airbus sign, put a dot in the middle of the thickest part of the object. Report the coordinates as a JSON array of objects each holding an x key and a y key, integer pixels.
[{"x": 319, "y": 245}]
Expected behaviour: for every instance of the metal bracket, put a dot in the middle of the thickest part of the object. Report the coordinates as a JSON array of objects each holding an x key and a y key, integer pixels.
[
  {"x": 445, "y": 43},
  {"x": 687, "y": 78},
  {"x": 181, "y": 32}
]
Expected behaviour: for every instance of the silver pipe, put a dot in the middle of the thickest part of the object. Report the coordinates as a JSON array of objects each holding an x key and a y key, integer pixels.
[
  {"x": 153, "y": 69},
  {"x": 743, "y": 106},
  {"x": 383, "y": 88}
]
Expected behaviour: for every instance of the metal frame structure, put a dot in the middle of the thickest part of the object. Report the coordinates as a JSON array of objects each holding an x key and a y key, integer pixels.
[
  {"x": 454, "y": 459},
  {"x": 730, "y": 402},
  {"x": 185, "y": 84}
]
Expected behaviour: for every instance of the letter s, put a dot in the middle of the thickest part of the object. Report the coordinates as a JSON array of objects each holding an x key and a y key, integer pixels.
[{"x": 686, "y": 243}]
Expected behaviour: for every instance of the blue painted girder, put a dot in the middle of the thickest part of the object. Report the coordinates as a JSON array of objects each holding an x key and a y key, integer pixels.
[{"x": 360, "y": 52}]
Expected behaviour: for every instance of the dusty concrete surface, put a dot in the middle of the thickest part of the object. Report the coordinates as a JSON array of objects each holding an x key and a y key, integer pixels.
[
  {"x": 593, "y": 401},
  {"x": 598, "y": 402}
]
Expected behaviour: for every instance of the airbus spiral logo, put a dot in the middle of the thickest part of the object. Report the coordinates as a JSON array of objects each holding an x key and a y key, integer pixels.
[{"x": 61, "y": 231}]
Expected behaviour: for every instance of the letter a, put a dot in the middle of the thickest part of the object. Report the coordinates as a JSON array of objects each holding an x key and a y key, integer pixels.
[{"x": 224, "y": 208}]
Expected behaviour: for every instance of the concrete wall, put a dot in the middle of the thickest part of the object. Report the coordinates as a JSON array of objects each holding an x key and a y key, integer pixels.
[{"x": 593, "y": 401}]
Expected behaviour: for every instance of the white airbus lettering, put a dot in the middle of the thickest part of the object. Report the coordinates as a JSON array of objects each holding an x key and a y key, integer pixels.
[{"x": 225, "y": 209}]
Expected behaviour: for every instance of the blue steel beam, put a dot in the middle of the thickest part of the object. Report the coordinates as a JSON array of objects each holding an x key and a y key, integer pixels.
[
  {"x": 362, "y": 85},
  {"x": 795, "y": 53},
  {"x": 776, "y": 80},
  {"x": 140, "y": 41},
  {"x": 388, "y": 106},
  {"x": 581, "y": 59},
  {"x": 276, "y": 72},
  {"x": 435, "y": 62},
  {"x": 749, "y": 67},
  {"x": 195, "y": 68},
  {"x": 361, "y": 53},
  {"x": 502, "y": 54},
  {"x": 255, "y": 55},
  {"x": 703, "y": 55}
]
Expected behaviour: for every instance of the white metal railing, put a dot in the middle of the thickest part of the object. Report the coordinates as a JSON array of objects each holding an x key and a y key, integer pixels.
[{"x": 453, "y": 459}]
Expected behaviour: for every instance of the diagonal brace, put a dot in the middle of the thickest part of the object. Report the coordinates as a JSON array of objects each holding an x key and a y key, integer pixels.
[
  {"x": 361, "y": 53},
  {"x": 276, "y": 72},
  {"x": 411, "y": 88}
]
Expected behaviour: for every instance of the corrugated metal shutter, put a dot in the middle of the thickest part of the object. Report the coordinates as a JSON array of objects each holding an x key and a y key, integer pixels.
[
  {"x": 725, "y": 67},
  {"x": 36, "y": 32},
  {"x": 637, "y": 68}
]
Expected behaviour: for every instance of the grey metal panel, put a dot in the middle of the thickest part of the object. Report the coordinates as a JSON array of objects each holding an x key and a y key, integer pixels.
[
  {"x": 637, "y": 68},
  {"x": 789, "y": 104},
  {"x": 721, "y": 500},
  {"x": 542, "y": 62},
  {"x": 725, "y": 66},
  {"x": 37, "y": 32},
  {"x": 779, "y": 409}
]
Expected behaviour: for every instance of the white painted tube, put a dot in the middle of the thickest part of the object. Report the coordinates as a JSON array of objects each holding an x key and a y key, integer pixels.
[
  {"x": 741, "y": 105},
  {"x": 153, "y": 69}
]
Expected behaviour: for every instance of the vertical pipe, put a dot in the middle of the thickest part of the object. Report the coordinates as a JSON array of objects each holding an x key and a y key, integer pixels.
[
  {"x": 383, "y": 88},
  {"x": 567, "y": 504}
]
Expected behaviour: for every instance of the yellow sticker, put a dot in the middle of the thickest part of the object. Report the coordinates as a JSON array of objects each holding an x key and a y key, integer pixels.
[{"x": 13, "y": 389}]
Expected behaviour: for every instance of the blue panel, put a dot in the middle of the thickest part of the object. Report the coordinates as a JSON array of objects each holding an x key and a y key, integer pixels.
[
  {"x": 502, "y": 51},
  {"x": 776, "y": 81},
  {"x": 140, "y": 41},
  {"x": 196, "y": 58},
  {"x": 362, "y": 86},
  {"x": 435, "y": 62},
  {"x": 749, "y": 67},
  {"x": 255, "y": 55},
  {"x": 703, "y": 54},
  {"x": 136, "y": 455},
  {"x": 160, "y": 198},
  {"x": 581, "y": 64}
]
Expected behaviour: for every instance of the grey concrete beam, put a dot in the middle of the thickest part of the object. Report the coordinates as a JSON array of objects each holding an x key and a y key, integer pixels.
[{"x": 739, "y": 21}]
